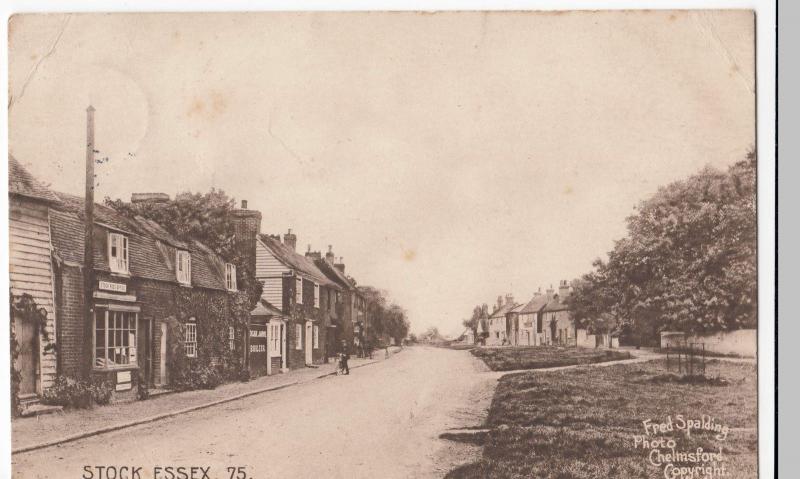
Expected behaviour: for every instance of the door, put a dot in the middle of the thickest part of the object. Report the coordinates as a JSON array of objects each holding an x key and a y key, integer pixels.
[
  {"x": 26, "y": 362},
  {"x": 162, "y": 361},
  {"x": 309, "y": 345}
]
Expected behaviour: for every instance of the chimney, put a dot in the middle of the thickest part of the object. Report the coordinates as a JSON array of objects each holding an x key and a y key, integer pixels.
[
  {"x": 549, "y": 292},
  {"x": 313, "y": 255},
  {"x": 290, "y": 240},
  {"x": 499, "y": 303},
  {"x": 340, "y": 264},
  {"x": 329, "y": 257},
  {"x": 538, "y": 292},
  {"x": 246, "y": 227},
  {"x": 149, "y": 198},
  {"x": 563, "y": 289},
  {"x": 510, "y": 299}
]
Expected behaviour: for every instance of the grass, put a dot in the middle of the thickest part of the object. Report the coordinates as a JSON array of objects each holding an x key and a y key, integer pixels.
[
  {"x": 581, "y": 423},
  {"x": 539, "y": 357}
]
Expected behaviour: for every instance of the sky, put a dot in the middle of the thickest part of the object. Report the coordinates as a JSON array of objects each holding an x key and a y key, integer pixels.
[{"x": 449, "y": 158}]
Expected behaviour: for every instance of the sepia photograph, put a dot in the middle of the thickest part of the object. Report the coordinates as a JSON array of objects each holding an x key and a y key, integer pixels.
[{"x": 384, "y": 244}]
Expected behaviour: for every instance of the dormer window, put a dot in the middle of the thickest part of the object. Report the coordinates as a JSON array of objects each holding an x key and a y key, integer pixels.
[
  {"x": 118, "y": 253},
  {"x": 183, "y": 267},
  {"x": 230, "y": 276}
]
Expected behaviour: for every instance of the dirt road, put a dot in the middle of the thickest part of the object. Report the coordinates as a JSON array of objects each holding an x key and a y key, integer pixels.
[{"x": 381, "y": 421}]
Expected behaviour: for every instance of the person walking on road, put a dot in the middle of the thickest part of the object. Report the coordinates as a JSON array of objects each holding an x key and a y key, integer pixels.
[{"x": 343, "y": 357}]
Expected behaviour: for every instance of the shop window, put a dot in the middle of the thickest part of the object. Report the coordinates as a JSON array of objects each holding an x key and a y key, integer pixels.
[{"x": 115, "y": 338}]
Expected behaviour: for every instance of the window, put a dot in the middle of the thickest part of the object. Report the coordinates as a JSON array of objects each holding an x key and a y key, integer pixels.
[
  {"x": 298, "y": 336},
  {"x": 183, "y": 266},
  {"x": 274, "y": 339},
  {"x": 190, "y": 340},
  {"x": 230, "y": 276},
  {"x": 316, "y": 295},
  {"x": 298, "y": 290},
  {"x": 118, "y": 253},
  {"x": 231, "y": 338},
  {"x": 114, "y": 338},
  {"x": 316, "y": 336}
]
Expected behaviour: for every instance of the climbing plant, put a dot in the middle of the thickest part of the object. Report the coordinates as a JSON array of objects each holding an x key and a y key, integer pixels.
[{"x": 24, "y": 307}]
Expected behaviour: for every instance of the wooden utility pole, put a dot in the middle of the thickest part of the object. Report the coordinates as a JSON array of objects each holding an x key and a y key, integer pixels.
[{"x": 88, "y": 246}]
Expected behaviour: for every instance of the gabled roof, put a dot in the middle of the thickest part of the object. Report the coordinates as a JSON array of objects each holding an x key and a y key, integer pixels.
[
  {"x": 335, "y": 274},
  {"x": 22, "y": 183},
  {"x": 264, "y": 308},
  {"x": 517, "y": 308},
  {"x": 556, "y": 305},
  {"x": 151, "y": 247},
  {"x": 502, "y": 310},
  {"x": 535, "y": 304},
  {"x": 295, "y": 261}
]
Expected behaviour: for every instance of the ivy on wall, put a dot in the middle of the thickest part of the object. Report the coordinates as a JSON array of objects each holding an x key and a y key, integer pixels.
[
  {"x": 213, "y": 315},
  {"x": 24, "y": 307}
]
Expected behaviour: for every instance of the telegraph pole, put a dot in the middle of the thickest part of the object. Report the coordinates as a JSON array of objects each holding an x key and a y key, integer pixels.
[{"x": 88, "y": 246}]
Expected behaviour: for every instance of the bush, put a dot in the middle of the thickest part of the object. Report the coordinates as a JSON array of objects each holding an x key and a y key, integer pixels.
[
  {"x": 68, "y": 392},
  {"x": 102, "y": 392},
  {"x": 204, "y": 377}
]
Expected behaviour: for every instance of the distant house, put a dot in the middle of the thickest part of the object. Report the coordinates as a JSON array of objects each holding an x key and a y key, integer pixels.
[
  {"x": 348, "y": 320},
  {"x": 512, "y": 325},
  {"x": 31, "y": 273},
  {"x": 531, "y": 321},
  {"x": 560, "y": 329},
  {"x": 498, "y": 332},
  {"x": 305, "y": 296}
]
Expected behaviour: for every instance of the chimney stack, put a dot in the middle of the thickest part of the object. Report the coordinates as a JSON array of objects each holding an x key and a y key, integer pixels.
[
  {"x": 549, "y": 292},
  {"x": 150, "y": 198},
  {"x": 340, "y": 264},
  {"x": 290, "y": 240},
  {"x": 510, "y": 298},
  {"x": 538, "y": 292},
  {"x": 246, "y": 227},
  {"x": 313, "y": 254},
  {"x": 499, "y": 302},
  {"x": 563, "y": 290},
  {"x": 329, "y": 257}
]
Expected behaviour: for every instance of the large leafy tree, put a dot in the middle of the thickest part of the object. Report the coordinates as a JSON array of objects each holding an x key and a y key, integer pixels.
[{"x": 688, "y": 262}]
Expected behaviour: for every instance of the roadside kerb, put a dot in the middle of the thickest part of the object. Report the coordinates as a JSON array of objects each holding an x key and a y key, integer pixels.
[{"x": 137, "y": 422}]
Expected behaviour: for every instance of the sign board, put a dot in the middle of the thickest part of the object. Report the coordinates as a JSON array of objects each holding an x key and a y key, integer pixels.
[
  {"x": 123, "y": 377},
  {"x": 123, "y": 386},
  {"x": 258, "y": 349},
  {"x": 116, "y": 287}
]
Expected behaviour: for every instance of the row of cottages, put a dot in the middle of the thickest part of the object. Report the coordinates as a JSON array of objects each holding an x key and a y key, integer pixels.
[
  {"x": 543, "y": 320},
  {"x": 150, "y": 291},
  {"x": 144, "y": 283},
  {"x": 308, "y": 307}
]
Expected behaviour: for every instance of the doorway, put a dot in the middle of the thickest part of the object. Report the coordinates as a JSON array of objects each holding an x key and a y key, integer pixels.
[
  {"x": 309, "y": 343},
  {"x": 27, "y": 361}
]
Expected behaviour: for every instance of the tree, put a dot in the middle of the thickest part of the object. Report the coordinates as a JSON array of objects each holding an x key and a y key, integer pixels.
[
  {"x": 688, "y": 262},
  {"x": 205, "y": 217}
]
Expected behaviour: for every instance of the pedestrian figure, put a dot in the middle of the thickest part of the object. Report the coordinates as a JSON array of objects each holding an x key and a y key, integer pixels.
[{"x": 343, "y": 357}]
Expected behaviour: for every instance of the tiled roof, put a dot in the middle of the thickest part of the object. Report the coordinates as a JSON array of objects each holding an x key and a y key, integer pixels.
[
  {"x": 295, "y": 261},
  {"x": 335, "y": 274},
  {"x": 534, "y": 305},
  {"x": 501, "y": 312},
  {"x": 22, "y": 183},
  {"x": 151, "y": 248},
  {"x": 517, "y": 308},
  {"x": 556, "y": 305},
  {"x": 264, "y": 308}
]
